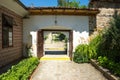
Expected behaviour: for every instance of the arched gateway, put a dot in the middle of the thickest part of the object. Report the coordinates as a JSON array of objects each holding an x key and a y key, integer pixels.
[
  {"x": 70, "y": 21},
  {"x": 46, "y": 44}
]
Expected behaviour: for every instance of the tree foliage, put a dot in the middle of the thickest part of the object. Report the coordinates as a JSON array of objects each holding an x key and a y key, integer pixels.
[
  {"x": 70, "y": 3},
  {"x": 63, "y": 3}
]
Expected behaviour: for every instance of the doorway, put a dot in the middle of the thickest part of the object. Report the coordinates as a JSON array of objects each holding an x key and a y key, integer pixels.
[{"x": 54, "y": 42}]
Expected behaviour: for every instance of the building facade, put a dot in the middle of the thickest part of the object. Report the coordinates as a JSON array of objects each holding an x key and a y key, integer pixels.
[
  {"x": 71, "y": 20},
  {"x": 21, "y": 26},
  {"x": 11, "y": 31}
]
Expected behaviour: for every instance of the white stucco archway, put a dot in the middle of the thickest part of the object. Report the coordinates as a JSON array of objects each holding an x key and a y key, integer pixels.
[{"x": 78, "y": 24}]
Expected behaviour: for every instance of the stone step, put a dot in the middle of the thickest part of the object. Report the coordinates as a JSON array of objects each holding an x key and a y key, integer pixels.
[{"x": 57, "y": 57}]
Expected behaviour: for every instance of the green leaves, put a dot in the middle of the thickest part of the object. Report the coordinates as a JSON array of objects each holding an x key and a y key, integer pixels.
[
  {"x": 109, "y": 64},
  {"x": 21, "y": 71},
  {"x": 83, "y": 53},
  {"x": 107, "y": 46},
  {"x": 70, "y": 3}
]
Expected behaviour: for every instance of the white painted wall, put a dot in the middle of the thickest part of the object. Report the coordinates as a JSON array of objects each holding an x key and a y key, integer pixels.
[{"x": 79, "y": 25}]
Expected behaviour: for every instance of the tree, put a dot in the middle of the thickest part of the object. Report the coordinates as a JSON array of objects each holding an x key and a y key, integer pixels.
[
  {"x": 74, "y": 3},
  {"x": 70, "y": 3},
  {"x": 63, "y": 3}
]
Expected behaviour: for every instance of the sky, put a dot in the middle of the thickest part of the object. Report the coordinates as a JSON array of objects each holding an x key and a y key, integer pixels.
[{"x": 47, "y": 3}]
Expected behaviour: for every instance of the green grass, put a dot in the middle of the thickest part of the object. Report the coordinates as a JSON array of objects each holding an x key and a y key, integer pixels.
[{"x": 22, "y": 70}]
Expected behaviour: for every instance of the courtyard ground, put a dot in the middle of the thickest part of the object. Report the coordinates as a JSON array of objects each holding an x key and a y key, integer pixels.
[{"x": 61, "y": 69}]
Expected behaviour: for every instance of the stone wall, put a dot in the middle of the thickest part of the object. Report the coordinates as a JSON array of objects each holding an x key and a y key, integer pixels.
[
  {"x": 107, "y": 11},
  {"x": 104, "y": 17},
  {"x": 10, "y": 54}
]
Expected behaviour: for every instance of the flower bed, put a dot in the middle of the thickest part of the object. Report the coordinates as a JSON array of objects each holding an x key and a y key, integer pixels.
[{"x": 22, "y": 70}]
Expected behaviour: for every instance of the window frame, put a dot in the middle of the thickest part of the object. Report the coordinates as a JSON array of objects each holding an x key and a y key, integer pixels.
[{"x": 8, "y": 30}]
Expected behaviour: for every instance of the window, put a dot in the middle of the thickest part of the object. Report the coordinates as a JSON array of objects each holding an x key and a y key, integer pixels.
[{"x": 7, "y": 31}]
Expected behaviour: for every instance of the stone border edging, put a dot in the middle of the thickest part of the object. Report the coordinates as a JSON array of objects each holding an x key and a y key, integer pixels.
[
  {"x": 30, "y": 78},
  {"x": 104, "y": 72}
]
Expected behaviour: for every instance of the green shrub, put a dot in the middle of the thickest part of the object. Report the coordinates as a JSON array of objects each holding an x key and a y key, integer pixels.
[
  {"x": 83, "y": 53},
  {"x": 94, "y": 43},
  {"x": 109, "y": 64},
  {"x": 21, "y": 71},
  {"x": 107, "y": 46},
  {"x": 92, "y": 52},
  {"x": 80, "y": 54},
  {"x": 103, "y": 61},
  {"x": 107, "y": 42},
  {"x": 110, "y": 44}
]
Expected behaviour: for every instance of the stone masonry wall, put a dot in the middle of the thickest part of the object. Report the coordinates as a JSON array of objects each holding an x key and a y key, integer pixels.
[
  {"x": 107, "y": 11},
  {"x": 10, "y": 54}
]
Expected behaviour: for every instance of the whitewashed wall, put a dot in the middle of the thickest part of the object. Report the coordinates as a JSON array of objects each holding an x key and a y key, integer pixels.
[{"x": 79, "y": 25}]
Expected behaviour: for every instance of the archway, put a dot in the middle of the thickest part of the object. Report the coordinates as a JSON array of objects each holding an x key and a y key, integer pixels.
[
  {"x": 41, "y": 37},
  {"x": 56, "y": 42}
]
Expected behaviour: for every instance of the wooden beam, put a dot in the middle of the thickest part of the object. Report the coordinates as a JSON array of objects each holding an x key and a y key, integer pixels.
[{"x": 62, "y": 11}]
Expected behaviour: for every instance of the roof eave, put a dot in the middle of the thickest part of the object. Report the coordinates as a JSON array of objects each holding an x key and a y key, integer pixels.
[
  {"x": 21, "y": 4},
  {"x": 62, "y": 11}
]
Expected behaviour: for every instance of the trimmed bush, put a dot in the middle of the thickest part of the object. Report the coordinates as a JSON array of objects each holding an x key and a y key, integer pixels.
[{"x": 21, "y": 71}]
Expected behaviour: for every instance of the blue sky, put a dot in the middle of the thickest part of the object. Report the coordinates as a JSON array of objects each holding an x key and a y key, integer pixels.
[{"x": 46, "y": 3}]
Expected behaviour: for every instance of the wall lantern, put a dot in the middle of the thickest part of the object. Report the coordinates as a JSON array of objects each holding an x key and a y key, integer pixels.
[{"x": 55, "y": 19}]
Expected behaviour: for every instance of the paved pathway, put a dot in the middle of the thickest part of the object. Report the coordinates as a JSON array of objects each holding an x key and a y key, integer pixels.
[{"x": 66, "y": 70}]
